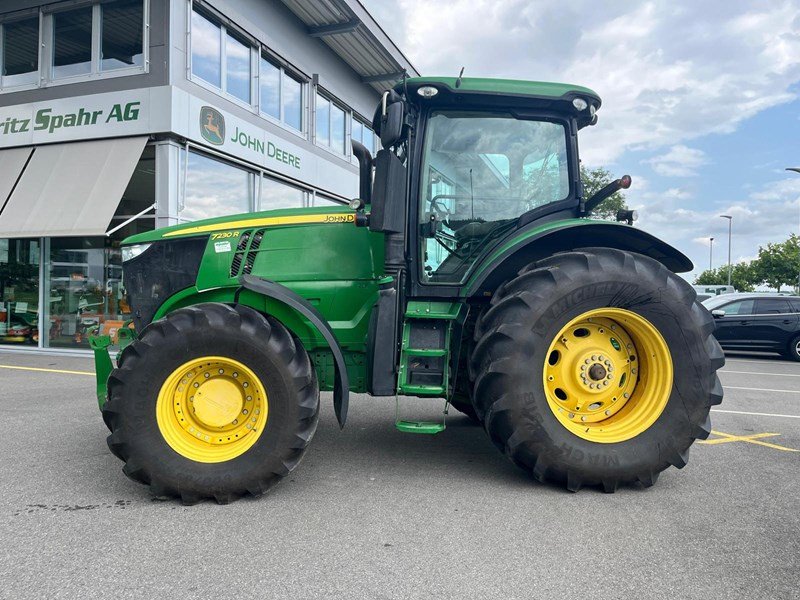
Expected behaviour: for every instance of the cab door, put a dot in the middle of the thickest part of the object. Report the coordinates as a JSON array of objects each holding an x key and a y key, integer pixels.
[{"x": 774, "y": 323}]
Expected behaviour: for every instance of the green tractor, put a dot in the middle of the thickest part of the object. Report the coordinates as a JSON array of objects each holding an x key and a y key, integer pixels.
[{"x": 467, "y": 270}]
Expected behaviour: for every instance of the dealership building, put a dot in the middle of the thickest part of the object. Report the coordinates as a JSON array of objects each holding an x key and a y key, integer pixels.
[{"x": 120, "y": 116}]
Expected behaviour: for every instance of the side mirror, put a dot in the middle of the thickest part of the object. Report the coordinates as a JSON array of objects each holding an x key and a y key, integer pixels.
[
  {"x": 717, "y": 313},
  {"x": 392, "y": 119}
]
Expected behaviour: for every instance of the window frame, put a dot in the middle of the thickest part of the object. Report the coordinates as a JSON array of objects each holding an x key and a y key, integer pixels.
[
  {"x": 348, "y": 117},
  {"x": 47, "y": 46}
]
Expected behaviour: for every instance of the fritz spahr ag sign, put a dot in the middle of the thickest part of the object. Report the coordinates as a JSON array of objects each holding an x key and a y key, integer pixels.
[{"x": 81, "y": 117}]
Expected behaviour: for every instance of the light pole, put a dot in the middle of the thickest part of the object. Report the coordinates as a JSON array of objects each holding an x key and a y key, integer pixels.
[
  {"x": 710, "y": 253},
  {"x": 796, "y": 170},
  {"x": 730, "y": 230}
]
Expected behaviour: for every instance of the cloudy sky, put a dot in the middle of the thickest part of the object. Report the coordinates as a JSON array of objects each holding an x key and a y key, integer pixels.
[{"x": 700, "y": 99}]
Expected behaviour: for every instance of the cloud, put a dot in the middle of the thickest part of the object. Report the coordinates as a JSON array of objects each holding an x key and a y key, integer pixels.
[
  {"x": 667, "y": 72},
  {"x": 679, "y": 161}
]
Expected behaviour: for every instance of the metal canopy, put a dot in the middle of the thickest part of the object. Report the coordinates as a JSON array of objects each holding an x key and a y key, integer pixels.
[
  {"x": 351, "y": 32},
  {"x": 68, "y": 189}
]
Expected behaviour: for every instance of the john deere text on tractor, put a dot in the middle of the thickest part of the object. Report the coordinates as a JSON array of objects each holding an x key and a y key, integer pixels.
[{"x": 468, "y": 269}]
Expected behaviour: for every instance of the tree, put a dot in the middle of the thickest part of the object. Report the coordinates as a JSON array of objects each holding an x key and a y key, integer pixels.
[
  {"x": 743, "y": 277},
  {"x": 778, "y": 264},
  {"x": 593, "y": 181}
]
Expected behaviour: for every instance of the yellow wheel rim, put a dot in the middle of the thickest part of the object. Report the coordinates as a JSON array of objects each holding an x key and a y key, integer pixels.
[
  {"x": 212, "y": 409},
  {"x": 608, "y": 375}
]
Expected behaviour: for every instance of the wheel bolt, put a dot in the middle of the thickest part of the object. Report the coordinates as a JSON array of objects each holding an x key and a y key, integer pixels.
[
  {"x": 197, "y": 385},
  {"x": 235, "y": 374},
  {"x": 608, "y": 412},
  {"x": 245, "y": 384},
  {"x": 594, "y": 356},
  {"x": 633, "y": 371},
  {"x": 583, "y": 418},
  {"x": 571, "y": 415},
  {"x": 583, "y": 367},
  {"x": 587, "y": 361},
  {"x": 236, "y": 421},
  {"x": 244, "y": 412},
  {"x": 206, "y": 375},
  {"x": 249, "y": 398},
  {"x": 626, "y": 395}
]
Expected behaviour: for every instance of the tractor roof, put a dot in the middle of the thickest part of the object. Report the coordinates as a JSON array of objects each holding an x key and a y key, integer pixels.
[{"x": 557, "y": 96}]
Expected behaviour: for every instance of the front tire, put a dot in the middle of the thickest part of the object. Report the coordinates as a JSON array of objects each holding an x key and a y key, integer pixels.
[
  {"x": 212, "y": 401},
  {"x": 596, "y": 368}
]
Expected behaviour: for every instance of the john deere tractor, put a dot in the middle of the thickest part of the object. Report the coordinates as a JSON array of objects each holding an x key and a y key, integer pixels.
[{"x": 468, "y": 271}]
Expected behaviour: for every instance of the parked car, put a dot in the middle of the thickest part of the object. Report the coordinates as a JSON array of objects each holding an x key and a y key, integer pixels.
[{"x": 764, "y": 322}]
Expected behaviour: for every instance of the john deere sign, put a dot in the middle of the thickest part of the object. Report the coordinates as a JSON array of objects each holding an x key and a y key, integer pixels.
[
  {"x": 247, "y": 141},
  {"x": 212, "y": 126}
]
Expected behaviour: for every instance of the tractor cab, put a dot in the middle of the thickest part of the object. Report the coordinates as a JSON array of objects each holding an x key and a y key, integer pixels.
[{"x": 468, "y": 161}]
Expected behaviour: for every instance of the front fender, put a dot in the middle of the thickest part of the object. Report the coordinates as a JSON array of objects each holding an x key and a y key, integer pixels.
[
  {"x": 543, "y": 240},
  {"x": 276, "y": 291}
]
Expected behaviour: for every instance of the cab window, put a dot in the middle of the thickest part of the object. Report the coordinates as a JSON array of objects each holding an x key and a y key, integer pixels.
[{"x": 482, "y": 171}]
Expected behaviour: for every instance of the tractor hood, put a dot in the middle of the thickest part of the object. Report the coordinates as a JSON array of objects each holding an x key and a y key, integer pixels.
[{"x": 270, "y": 218}]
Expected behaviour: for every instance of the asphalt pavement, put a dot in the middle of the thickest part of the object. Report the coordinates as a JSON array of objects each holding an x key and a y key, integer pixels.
[{"x": 374, "y": 513}]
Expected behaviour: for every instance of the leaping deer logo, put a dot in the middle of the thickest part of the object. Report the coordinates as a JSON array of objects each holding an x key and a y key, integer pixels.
[{"x": 212, "y": 126}]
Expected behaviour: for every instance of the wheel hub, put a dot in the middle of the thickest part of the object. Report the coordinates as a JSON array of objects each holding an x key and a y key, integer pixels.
[
  {"x": 212, "y": 409},
  {"x": 608, "y": 375}
]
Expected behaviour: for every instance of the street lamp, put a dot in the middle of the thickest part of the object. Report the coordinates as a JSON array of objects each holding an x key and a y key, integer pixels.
[
  {"x": 710, "y": 253},
  {"x": 730, "y": 229},
  {"x": 796, "y": 170}
]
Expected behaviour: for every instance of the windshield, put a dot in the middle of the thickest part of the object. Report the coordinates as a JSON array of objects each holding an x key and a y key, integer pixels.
[{"x": 481, "y": 171}]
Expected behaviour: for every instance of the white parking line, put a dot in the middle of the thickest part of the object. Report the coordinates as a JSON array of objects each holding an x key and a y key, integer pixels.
[
  {"x": 780, "y": 363},
  {"x": 756, "y": 373},
  {"x": 731, "y": 387},
  {"x": 758, "y": 414}
]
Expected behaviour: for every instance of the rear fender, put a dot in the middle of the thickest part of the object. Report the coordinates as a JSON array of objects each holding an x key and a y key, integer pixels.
[{"x": 545, "y": 240}]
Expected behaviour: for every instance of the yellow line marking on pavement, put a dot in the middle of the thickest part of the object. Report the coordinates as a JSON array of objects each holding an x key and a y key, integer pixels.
[
  {"x": 756, "y": 373},
  {"x": 757, "y": 414},
  {"x": 731, "y": 387},
  {"x": 47, "y": 370},
  {"x": 750, "y": 439}
]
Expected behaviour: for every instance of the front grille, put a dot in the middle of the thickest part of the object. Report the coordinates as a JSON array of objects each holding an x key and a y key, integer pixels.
[
  {"x": 236, "y": 263},
  {"x": 165, "y": 268},
  {"x": 251, "y": 254}
]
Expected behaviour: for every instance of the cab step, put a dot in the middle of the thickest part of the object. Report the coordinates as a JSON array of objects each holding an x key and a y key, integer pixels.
[{"x": 426, "y": 427}]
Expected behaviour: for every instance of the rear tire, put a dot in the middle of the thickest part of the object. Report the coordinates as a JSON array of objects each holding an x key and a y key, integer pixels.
[
  {"x": 531, "y": 313},
  {"x": 146, "y": 404}
]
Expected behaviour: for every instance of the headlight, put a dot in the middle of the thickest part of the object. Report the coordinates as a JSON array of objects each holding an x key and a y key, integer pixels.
[{"x": 131, "y": 252}]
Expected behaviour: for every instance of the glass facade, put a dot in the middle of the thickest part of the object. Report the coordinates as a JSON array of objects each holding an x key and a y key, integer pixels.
[
  {"x": 214, "y": 189},
  {"x": 19, "y": 291}
]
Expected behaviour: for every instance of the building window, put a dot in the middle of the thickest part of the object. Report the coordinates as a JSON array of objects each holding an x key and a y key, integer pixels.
[
  {"x": 277, "y": 194},
  {"x": 331, "y": 130},
  {"x": 122, "y": 39},
  {"x": 281, "y": 94},
  {"x": 103, "y": 39},
  {"x": 72, "y": 42},
  {"x": 206, "y": 50},
  {"x": 361, "y": 132},
  {"x": 215, "y": 189},
  {"x": 20, "y": 52},
  {"x": 237, "y": 68},
  {"x": 221, "y": 58}
]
